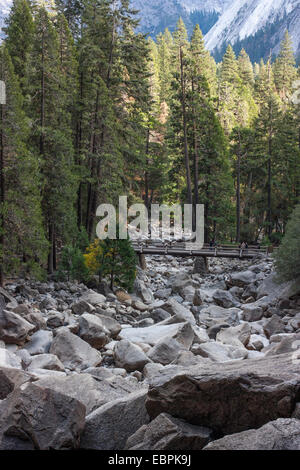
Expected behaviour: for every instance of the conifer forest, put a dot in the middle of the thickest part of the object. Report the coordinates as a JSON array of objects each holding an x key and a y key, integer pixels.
[{"x": 95, "y": 110}]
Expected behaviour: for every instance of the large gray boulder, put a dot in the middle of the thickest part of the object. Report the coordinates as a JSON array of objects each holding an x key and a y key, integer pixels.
[
  {"x": 81, "y": 307},
  {"x": 201, "y": 335},
  {"x": 93, "y": 298},
  {"x": 178, "y": 310},
  {"x": 163, "y": 293},
  {"x": 109, "y": 427},
  {"x": 11, "y": 378},
  {"x": 144, "y": 292},
  {"x": 188, "y": 358},
  {"x": 188, "y": 293},
  {"x": 159, "y": 314},
  {"x": 92, "y": 330},
  {"x": 291, "y": 343},
  {"x": 235, "y": 335},
  {"x": 225, "y": 299},
  {"x": 90, "y": 389},
  {"x": 274, "y": 326},
  {"x": 39, "y": 343},
  {"x": 168, "y": 433},
  {"x": 9, "y": 359},
  {"x": 219, "y": 352},
  {"x": 39, "y": 418},
  {"x": 129, "y": 356},
  {"x": 45, "y": 361},
  {"x": 73, "y": 352},
  {"x": 229, "y": 397},
  {"x": 269, "y": 287},
  {"x": 282, "y": 434},
  {"x": 110, "y": 324},
  {"x": 179, "y": 281},
  {"x": 242, "y": 278},
  {"x": 151, "y": 334},
  {"x": 252, "y": 312},
  {"x": 32, "y": 315},
  {"x": 165, "y": 351},
  {"x": 214, "y": 313},
  {"x": 13, "y": 328},
  {"x": 257, "y": 342}
]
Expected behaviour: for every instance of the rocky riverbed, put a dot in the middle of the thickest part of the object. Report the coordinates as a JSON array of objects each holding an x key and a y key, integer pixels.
[{"x": 191, "y": 360}]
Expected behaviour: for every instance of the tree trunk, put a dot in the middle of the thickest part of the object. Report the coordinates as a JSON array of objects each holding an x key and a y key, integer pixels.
[
  {"x": 196, "y": 168},
  {"x": 142, "y": 261},
  {"x": 78, "y": 141},
  {"x": 51, "y": 252},
  {"x": 91, "y": 186},
  {"x": 147, "y": 172},
  {"x": 184, "y": 121},
  {"x": 238, "y": 194},
  {"x": 2, "y": 199},
  {"x": 42, "y": 116}
]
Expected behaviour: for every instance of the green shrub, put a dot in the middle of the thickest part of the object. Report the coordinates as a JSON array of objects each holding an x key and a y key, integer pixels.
[
  {"x": 287, "y": 256},
  {"x": 115, "y": 259},
  {"x": 72, "y": 265}
]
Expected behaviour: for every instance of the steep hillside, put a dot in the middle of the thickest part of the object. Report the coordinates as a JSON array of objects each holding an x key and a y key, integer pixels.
[{"x": 257, "y": 25}]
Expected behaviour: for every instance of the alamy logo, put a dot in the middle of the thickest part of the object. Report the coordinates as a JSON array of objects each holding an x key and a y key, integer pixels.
[
  {"x": 166, "y": 222},
  {"x": 2, "y": 92}
]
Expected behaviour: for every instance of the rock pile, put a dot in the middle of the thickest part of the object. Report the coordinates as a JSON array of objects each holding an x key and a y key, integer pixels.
[{"x": 192, "y": 359}]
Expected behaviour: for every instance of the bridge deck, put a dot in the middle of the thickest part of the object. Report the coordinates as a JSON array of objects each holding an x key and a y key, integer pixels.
[{"x": 179, "y": 249}]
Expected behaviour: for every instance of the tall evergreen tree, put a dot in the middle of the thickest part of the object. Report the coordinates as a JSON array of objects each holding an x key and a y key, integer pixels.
[
  {"x": 49, "y": 79},
  {"x": 22, "y": 237},
  {"x": 266, "y": 126},
  {"x": 19, "y": 31},
  {"x": 285, "y": 71}
]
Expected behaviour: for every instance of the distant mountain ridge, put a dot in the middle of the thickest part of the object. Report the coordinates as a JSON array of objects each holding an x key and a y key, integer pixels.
[
  {"x": 156, "y": 15},
  {"x": 256, "y": 25}
]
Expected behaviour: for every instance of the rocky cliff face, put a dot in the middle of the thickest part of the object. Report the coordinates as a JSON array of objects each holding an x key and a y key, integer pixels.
[
  {"x": 157, "y": 15},
  {"x": 246, "y": 22},
  {"x": 256, "y": 25}
]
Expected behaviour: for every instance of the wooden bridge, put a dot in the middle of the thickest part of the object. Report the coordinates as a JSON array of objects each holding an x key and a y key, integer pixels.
[{"x": 180, "y": 249}]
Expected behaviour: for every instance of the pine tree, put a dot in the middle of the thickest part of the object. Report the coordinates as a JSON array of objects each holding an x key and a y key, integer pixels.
[
  {"x": 203, "y": 60},
  {"x": 115, "y": 259},
  {"x": 285, "y": 72},
  {"x": 164, "y": 47},
  {"x": 19, "y": 31},
  {"x": 287, "y": 257},
  {"x": 49, "y": 109},
  {"x": 113, "y": 100},
  {"x": 72, "y": 11},
  {"x": 286, "y": 168},
  {"x": 181, "y": 51},
  {"x": 229, "y": 84},
  {"x": 266, "y": 126},
  {"x": 22, "y": 238},
  {"x": 245, "y": 69}
]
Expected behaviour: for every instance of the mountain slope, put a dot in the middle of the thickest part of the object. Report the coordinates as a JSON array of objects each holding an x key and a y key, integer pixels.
[
  {"x": 251, "y": 19},
  {"x": 156, "y": 15},
  {"x": 256, "y": 25}
]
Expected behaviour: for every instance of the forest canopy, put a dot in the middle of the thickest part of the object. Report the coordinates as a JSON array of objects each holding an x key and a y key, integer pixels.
[{"x": 95, "y": 111}]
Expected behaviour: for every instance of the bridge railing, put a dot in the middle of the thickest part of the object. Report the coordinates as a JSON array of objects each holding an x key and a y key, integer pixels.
[{"x": 179, "y": 249}]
